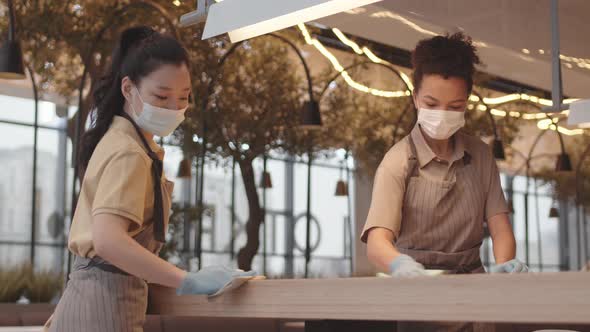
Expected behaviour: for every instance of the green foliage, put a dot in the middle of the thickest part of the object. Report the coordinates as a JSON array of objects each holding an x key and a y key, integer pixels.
[
  {"x": 566, "y": 185},
  {"x": 254, "y": 102},
  {"x": 12, "y": 283},
  {"x": 36, "y": 286},
  {"x": 42, "y": 286}
]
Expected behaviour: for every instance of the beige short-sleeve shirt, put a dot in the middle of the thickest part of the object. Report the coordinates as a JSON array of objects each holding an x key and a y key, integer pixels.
[
  {"x": 119, "y": 181},
  {"x": 389, "y": 184}
]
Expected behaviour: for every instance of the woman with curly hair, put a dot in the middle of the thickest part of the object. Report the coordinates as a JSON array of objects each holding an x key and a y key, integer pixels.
[{"x": 435, "y": 189}]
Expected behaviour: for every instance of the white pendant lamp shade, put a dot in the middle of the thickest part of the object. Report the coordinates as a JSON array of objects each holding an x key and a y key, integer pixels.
[
  {"x": 579, "y": 114},
  {"x": 244, "y": 19}
]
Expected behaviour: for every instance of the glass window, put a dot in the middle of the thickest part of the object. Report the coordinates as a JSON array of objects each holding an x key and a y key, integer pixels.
[
  {"x": 543, "y": 232},
  {"x": 51, "y": 201},
  {"x": 16, "y": 155},
  {"x": 17, "y": 109}
]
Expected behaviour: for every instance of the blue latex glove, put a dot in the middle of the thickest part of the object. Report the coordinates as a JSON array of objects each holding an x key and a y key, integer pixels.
[
  {"x": 209, "y": 280},
  {"x": 513, "y": 266},
  {"x": 406, "y": 266}
]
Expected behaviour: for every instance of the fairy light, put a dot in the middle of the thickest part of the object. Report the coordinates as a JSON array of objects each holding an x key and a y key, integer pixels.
[
  {"x": 534, "y": 116},
  {"x": 515, "y": 114},
  {"x": 518, "y": 97},
  {"x": 501, "y": 100},
  {"x": 552, "y": 124},
  {"x": 372, "y": 56},
  {"x": 355, "y": 47},
  {"x": 473, "y": 98},
  {"x": 497, "y": 112},
  {"x": 345, "y": 75},
  {"x": 408, "y": 82},
  {"x": 570, "y": 132}
]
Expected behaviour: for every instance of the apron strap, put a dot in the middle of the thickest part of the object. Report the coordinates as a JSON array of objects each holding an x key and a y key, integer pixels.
[
  {"x": 157, "y": 170},
  {"x": 412, "y": 163}
]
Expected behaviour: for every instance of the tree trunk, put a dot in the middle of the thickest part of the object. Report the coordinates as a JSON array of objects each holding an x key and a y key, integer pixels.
[{"x": 247, "y": 253}]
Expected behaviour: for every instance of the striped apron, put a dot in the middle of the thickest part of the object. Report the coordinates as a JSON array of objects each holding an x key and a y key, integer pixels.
[
  {"x": 440, "y": 227},
  {"x": 100, "y": 297}
]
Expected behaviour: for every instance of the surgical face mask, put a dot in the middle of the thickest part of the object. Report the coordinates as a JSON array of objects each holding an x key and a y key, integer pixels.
[
  {"x": 440, "y": 124},
  {"x": 157, "y": 120}
]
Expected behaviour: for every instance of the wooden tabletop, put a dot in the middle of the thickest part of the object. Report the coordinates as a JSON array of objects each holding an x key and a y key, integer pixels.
[{"x": 520, "y": 298}]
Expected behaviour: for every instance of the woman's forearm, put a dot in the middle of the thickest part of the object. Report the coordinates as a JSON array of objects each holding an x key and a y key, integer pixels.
[
  {"x": 502, "y": 238},
  {"x": 504, "y": 248},
  {"x": 380, "y": 249}
]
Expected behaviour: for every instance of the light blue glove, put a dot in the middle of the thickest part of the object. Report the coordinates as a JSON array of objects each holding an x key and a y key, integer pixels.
[
  {"x": 513, "y": 266},
  {"x": 209, "y": 280},
  {"x": 406, "y": 266}
]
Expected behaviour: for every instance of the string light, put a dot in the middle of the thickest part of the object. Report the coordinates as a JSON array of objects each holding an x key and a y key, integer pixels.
[
  {"x": 347, "y": 41},
  {"x": 345, "y": 75},
  {"x": 374, "y": 58},
  {"x": 473, "y": 98},
  {"x": 515, "y": 114},
  {"x": 371, "y": 55},
  {"x": 489, "y": 101},
  {"x": 551, "y": 124},
  {"x": 498, "y": 112}
]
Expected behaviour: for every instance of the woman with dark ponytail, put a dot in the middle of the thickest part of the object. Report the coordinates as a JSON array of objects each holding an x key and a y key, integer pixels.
[{"x": 124, "y": 203}]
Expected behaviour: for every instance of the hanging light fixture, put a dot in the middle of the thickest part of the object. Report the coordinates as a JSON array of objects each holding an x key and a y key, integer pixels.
[
  {"x": 498, "y": 148},
  {"x": 184, "y": 169},
  {"x": 341, "y": 188},
  {"x": 579, "y": 114},
  {"x": 553, "y": 212},
  {"x": 11, "y": 55},
  {"x": 310, "y": 115},
  {"x": 265, "y": 180},
  {"x": 341, "y": 185},
  {"x": 564, "y": 163},
  {"x": 247, "y": 19}
]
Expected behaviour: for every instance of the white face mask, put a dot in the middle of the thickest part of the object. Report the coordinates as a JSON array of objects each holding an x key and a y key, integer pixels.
[
  {"x": 440, "y": 124},
  {"x": 157, "y": 120}
]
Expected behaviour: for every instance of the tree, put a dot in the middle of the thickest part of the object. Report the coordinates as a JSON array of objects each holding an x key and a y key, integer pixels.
[
  {"x": 61, "y": 38},
  {"x": 252, "y": 106}
]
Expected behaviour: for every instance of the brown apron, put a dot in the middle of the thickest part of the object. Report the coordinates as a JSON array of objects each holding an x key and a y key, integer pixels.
[
  {"x": 440, "y": 229},
  {"x": 101, "y": 297}
]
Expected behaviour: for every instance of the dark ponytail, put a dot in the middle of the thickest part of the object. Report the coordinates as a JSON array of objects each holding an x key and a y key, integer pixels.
[{"x": 139, "y": 52}]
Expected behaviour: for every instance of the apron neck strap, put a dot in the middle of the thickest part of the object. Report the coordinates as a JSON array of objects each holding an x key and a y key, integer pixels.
[{"x": 157, "y": 170}]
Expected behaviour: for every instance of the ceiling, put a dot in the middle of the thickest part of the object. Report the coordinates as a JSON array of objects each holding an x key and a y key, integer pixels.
[{"x": 513, "y": 37}]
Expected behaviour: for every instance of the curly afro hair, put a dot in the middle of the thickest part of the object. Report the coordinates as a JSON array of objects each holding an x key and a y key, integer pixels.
[{"x": 449, "y": 56}]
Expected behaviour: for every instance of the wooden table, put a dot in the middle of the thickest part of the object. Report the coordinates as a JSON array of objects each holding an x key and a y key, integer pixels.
[{"x": 520, "y": 298}]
